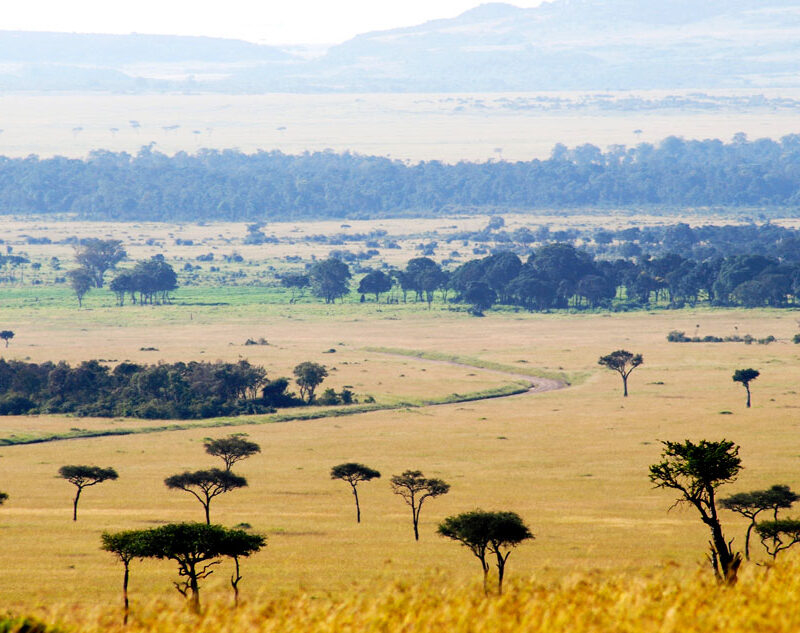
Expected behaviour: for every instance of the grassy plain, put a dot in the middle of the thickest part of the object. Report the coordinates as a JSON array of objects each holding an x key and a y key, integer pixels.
[
  {"x": 413, "y": 127},
  {"x": 572, "y": 462}
]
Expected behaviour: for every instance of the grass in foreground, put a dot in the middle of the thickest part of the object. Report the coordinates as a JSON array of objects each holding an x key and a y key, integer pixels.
[{"x": 764, "y": 601}]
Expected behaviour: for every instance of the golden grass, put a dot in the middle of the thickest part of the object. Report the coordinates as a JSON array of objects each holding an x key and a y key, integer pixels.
[
  {"x": 572, "y": 462},
  {"x": 764, "y": 601}
]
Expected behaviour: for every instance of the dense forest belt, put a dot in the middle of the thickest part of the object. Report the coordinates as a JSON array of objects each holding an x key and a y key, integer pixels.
[
  {"x": 525, "y": 381},
  {"x": 230, "y": 185}
]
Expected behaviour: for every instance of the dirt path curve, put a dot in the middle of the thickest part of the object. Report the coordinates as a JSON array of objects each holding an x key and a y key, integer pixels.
[{"x": 538, "y": 384}]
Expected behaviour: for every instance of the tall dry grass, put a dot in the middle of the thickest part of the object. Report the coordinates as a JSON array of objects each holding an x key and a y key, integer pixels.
[{"x": 765, "y": 600}]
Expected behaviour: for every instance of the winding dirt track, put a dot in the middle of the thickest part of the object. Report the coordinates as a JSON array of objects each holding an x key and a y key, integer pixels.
[{"x": 538, "y": 384}]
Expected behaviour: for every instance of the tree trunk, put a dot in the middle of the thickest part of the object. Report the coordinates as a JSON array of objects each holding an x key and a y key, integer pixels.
[
  {"x": 125, "y": 594},
  {"x": 625, "y": 386},
  {"x": 194, "y": 603},
  {"x": 415, "y": 518},
  {"x": 747, "y": 540},
  {"x": 358, "y": 507},
  {"x": 208, "y": 514},
  {"x": 75, "y": 505},
  {"x": 747, "y": 387},
  {"x": 726, "y": 563}
]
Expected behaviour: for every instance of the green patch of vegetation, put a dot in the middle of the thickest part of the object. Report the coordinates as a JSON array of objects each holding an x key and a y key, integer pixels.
[
  {"x": 569, "y": 378},
  {"x": 510, "y": 389}
]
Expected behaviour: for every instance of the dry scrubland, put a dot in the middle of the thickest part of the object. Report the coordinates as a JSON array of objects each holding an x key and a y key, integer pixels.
[
  {"x": 572, "y": 462},
  {"x": 403, "y": 126}
]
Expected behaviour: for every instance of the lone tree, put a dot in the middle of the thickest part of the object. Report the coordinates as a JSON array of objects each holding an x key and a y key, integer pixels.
[
  {"x": 778, "y": 535},
  {"x": 696, "y": 471},
  {"x": 354, "y": 473},
  {"x": 196, "y": 548},
  {"x": 486, "y": 533},
  {"x": 6, "y": 335},
  {"x": 746, "y": 376},
  {"x": 3, "y": 497},
  {"x": 83, "y": 477},
  {"x": 623, "y": 362},
  {"x": 231, "y": 449},
  {"x": 81, "y": 281},
  {"x": 415, "y": 488},
  {"x": 751, "y": 504},
  {"x": 126, "y": 546},
  {"x": 308, "y": 377},
  {"x": 205, "y": 485}
]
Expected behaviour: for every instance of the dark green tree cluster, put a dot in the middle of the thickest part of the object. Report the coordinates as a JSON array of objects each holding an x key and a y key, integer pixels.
[
  {"x": 149, "y": 282},
  {"x": 167, "y": 390},
  {"x": 154, "y": 186}
]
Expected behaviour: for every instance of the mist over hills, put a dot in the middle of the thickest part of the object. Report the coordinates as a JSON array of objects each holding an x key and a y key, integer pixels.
[{"x": 560, "y": 45}]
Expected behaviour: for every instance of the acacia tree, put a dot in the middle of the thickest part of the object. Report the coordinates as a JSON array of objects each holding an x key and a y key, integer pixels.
[
  {"x": 751, "y": 504},
  {"x": 3, "y": 498},
  {"x": 746, "y": 376},
  {"x": 81, "y": 281},
  {"x": 84, "y": 476},
  {"x": 196, "y": 547},
  {"x": 778, "y": 535},
  {"x": 6, "y": 335},
  {"x": 353, "y": 474},
  {"x": 97, "y": 256},
  {"x": 486, "y": 533},
  {"x": 696, "y": 471},
  {"x": 231, "y": 449},
  {"x": 414, "y": 488},
  {"x": 308, "y": 377},
  {"x": 126, "y": 546},
  {"x": 205, "y": 485},
  {"x": 239, "y": 544},
  {"x": 623, "y": 362}
]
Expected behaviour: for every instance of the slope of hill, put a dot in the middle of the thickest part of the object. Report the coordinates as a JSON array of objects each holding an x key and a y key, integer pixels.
[{"x": 560, "y": 45}]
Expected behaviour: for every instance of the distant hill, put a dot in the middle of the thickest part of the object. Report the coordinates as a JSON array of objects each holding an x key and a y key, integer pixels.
[{"x": 564, "y": 44}]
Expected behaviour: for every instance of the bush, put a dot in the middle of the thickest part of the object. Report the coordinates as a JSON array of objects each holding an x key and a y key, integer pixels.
[{"x": 15, "y": 404}]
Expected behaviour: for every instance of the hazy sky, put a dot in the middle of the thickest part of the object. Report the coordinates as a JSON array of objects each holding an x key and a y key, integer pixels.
[{"x": 267, "y": 21}]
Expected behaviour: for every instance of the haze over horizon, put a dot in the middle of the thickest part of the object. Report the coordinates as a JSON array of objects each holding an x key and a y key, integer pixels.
[{"x": 303, "y": 22}]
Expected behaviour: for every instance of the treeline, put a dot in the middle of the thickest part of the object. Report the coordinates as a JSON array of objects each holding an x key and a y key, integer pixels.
[
  {"x": 163, "y": 391},
  {"x": 271, "y": 185},
  {"x": 563, "y": 276}
]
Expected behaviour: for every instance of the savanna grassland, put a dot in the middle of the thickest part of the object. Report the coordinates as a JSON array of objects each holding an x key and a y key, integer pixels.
[
  {"x": 513, "y": 126},
  {"x": 572, "y": 462}
]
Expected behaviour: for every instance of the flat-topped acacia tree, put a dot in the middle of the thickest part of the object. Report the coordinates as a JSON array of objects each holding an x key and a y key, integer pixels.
[
  {"x": 196, "y": 547},
  {"x": 485, "y": 533},
  {"x": 695, "y": 471},
  {"x": 84, "y": 476},
  {"x": 353, "y": 474},
  {"x": 623, "y": 362},
  {"x": 231, "y": 449},
  {"x": 414, "y": 488},
  {"x": 751, "y": 504},
  {"x": 6, "y": 335},
  {"x": 205, "y": 485},
  {"x": 746, "y": 376}
]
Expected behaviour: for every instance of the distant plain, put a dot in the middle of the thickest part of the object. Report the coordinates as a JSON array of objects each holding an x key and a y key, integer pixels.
[{"x": 449, "y": 127}]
